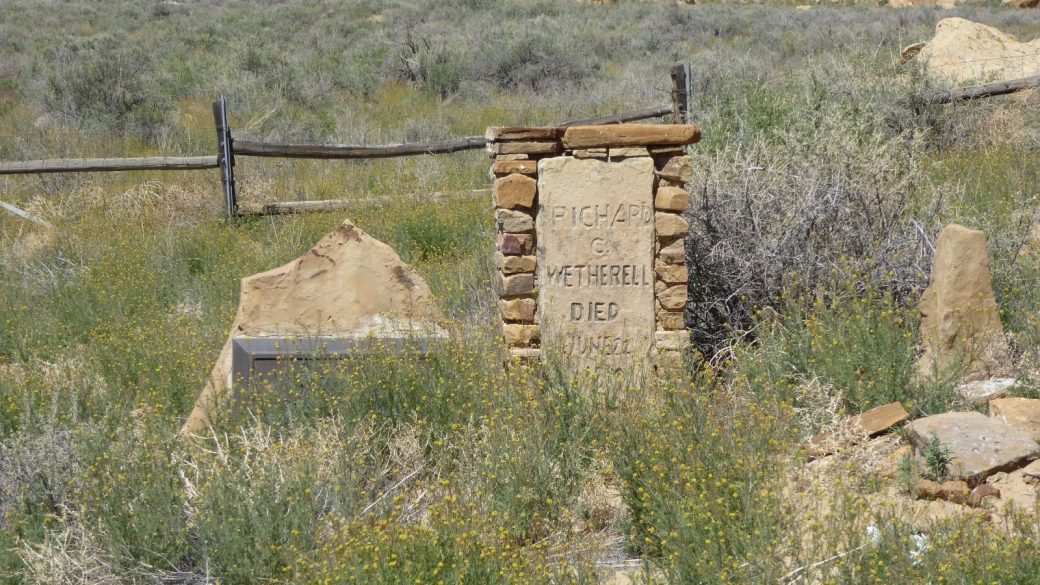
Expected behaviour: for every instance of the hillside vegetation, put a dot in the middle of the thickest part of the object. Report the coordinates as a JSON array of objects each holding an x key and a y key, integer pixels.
[{"x": 819, "y": 189}]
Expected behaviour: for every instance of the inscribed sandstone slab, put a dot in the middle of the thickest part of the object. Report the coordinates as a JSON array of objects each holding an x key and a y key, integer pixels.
[{"x": 595, "y": 259}]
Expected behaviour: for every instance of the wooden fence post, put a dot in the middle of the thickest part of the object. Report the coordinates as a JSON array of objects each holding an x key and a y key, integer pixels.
[
  {"x": 225, "y": 158},
  {"x": 680, "y": 93}
]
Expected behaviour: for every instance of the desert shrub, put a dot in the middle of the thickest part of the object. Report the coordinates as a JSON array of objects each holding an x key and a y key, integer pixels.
[
  {"x": 808, "y": 186},
  {"x": 107, "y": 84}
]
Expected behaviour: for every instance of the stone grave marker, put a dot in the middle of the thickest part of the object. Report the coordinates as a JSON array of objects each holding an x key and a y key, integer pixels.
[{"x": 590, "y": 239}]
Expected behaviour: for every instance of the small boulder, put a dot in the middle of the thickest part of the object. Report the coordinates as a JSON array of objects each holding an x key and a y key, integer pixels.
[
  {"x": 960, "y": 321},
  {"x": 979, "y": 445},
  {"x": 965, "y": 52},
  {"x": 1019, "y": 413}
]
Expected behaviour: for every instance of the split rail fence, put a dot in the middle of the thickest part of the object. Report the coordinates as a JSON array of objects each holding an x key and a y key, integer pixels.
[{"x": 228, "y": 148}]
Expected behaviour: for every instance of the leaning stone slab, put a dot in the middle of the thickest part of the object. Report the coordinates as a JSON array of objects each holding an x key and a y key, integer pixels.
[
  {"x": 1019, "y": 413},
  {"x": 960, "y": 320},
  {"x": 348, "y": 286},
  {"x": 979, "y": 445}
]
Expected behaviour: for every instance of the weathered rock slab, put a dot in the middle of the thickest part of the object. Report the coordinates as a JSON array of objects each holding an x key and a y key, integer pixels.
[
  {"x": 979, "y": 445},
  {"x": 349, "y": 286}
]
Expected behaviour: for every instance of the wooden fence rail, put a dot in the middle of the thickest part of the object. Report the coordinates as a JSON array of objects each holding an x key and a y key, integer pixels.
[
  {"x": 975, "y": 92},
  {"x": 228, "y": 148},
  {"x": 90, "y": 165}
]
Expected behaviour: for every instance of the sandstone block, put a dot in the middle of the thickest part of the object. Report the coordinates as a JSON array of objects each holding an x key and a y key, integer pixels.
[
  {"x": 674, "y": 298},
  {"x": 671, "y": 199},
  {"x": 519, "y": 310},
  {"x": 672, "y": 274},
  {"x": 1022, "y": 414},
  {"x": 671, "y": 321},
  {"x": 509, "y": 167},
  {"x": 514, "y": 286},
  {"x": 616, "y": 135},
  {"x": 511, "y": 220},
  {"x": 591, "y": 153},
  {"x": 548, "y": 147},
  {"x": 676, "y": 168},
  {"x": 511, "y": 157},
  {"x": 515, "y": 264},
  {"x": 670, "y": 225},
  {"x": 666, "y": 150},
  {"x": 628, "y": 152},
  {"x": 516, "y": 244},
  {"x": 673, "y": 253},
  {"x": 979, "y": 445},
  {"x": 960, "y": 321},
  {"x": 672, "y": 340},
  {"x": 519, "y": 335},
  {"x": 515, "y": 191},
  {"x": 525, "y": 354}
]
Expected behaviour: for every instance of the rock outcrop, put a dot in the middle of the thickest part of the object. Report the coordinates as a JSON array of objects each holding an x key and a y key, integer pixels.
[
  {"x": 965, "y": 52},
  {"x": 960, "y": 321},
  {"x": 349, "y": 285}
]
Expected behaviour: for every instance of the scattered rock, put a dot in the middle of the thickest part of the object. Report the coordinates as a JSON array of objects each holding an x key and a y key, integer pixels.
[
  {"x": 957, "y": 492},
  {"x": 1019, "y": 413},
  {"x": 964, "y": 52},
  {"x": 349, "y": 285},
  {"x": 1021, "y": 3},
  {"x": 960, "y": 321},
  {"x": 1032, "y": 472},
  {"x": 979, "y": 445},
  {"x": 868, "y": 424},
  {"x": 1017, "y": 488},
  {"x": 985, "y": 391},
  {"x": 984, "y": 490}
]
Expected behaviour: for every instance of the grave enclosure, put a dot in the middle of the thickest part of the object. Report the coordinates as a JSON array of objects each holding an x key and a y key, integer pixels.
[{"x": 591, "y": 258}]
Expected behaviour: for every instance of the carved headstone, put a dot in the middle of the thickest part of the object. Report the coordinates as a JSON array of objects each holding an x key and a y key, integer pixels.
[{"x": 596, "y": 258}]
